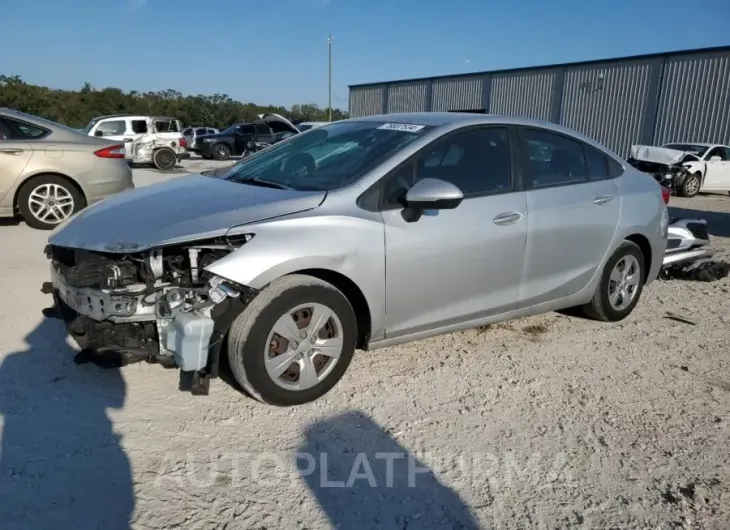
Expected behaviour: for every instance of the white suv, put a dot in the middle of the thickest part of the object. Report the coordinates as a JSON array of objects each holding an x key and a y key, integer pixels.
[{"x": 143, "y": 137}]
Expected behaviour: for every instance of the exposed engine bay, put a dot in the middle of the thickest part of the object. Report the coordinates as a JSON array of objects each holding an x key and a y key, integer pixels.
[
  {"x": 159, "y": 306},
  {"x": 668, "y": 166}
]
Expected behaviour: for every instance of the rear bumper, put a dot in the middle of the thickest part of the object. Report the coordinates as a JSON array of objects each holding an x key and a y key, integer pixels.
[{"x": 110, "y": 183}]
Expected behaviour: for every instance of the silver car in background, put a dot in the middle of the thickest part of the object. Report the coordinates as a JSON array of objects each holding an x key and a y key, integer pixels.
[
  {"x": 48, "y": 171},
  {"x": 363, "y": 233}
]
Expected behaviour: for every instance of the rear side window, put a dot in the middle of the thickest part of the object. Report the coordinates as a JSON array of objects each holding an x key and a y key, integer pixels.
[
  {"x": 552, "y": 159},
  {"x": 212, "y": 131},
  {"x": 139, "y": 126},
  {"x": 596, "y": 162},
  {"x": 23, "y": 130},
  {"x": 166, "y": 126},
  {"x": 112, "y": 128}
]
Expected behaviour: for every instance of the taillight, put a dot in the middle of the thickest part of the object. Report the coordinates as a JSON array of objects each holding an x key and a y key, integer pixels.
[
  {"x": 183, "y": 142},
  {"x": 666, "y": 193},
  {"x": 113, "y": 151}
]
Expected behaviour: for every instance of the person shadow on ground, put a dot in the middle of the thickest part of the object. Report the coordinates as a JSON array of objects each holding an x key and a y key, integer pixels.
[
  {"x": 363, "y": 478},
  {"x": 61, "y": 465}
]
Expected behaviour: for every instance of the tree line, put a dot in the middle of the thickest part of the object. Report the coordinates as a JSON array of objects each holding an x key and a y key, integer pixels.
[{"x": 76, "y": 108}]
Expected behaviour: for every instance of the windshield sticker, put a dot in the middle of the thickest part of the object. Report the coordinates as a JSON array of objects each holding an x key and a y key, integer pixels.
[{"x": 404, "y": 127}]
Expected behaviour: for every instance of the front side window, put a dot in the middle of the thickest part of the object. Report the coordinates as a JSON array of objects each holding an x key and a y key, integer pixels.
[
  {"x": 477, "y": 161},
  {"x": 262, "y": 129},
  {"x": 717, "y": 151},
  {"x": 552, "y": 159},
  {"x": 327, "y": 158},
  {"x": 112, "y": 128}
]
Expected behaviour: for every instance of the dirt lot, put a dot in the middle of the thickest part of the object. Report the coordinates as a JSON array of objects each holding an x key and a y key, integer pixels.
[{"x": 548, "y": 422}]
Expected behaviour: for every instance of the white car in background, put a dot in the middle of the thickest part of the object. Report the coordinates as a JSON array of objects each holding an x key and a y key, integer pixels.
[{"x": 709, "y": 171}]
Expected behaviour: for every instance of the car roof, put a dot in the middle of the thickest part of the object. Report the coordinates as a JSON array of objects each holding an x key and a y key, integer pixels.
[
  {"x": 138, "y": 116},
  {"x": 449, "y": 119}
]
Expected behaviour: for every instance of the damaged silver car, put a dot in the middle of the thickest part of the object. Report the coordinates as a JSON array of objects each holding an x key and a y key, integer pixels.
[{"x": 359, "y": 234}]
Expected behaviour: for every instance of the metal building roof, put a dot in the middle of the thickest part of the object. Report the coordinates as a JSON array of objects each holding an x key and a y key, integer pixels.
[{"x": 558, "y": 65}]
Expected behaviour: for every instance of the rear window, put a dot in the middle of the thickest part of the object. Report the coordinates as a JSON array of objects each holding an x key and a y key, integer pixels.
[{"x": 164, "y": 126}]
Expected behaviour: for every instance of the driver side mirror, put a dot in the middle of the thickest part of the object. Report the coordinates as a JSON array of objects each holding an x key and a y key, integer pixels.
[
  {"x": 715, "y": 159},
  {"x": 99, "y": 133},
  {"x": 433, "y": 194}
]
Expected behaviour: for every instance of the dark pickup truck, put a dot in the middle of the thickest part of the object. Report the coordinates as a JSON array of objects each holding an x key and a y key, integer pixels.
[{"x": 268, "y": 129}]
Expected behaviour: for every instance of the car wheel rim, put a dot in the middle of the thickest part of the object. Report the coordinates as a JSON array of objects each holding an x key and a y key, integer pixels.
[
  {"x": 221, "y": 151},
  {"x": 623, "y": 284},
  {"x": 303, "y": 347},
  {"x": 165, "y": 159},
  {"x": 693, "y": 185},
  {"x": 51, "y": 203}
]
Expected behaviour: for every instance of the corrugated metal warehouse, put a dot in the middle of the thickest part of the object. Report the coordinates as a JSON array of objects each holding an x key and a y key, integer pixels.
[{"x": 647, "y": 99}]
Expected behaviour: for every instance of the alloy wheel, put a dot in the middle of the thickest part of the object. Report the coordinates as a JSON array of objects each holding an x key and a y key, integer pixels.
[{"x": 51, "y": 203}]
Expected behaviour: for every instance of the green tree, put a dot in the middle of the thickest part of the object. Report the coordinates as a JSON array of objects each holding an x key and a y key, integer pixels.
[{"x": 76, "y": 108}]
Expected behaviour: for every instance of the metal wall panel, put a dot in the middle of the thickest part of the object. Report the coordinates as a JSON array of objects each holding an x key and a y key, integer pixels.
[
  {"x": 408, "y": 97},
  {"x": 608, "y": 102},
  {"x": 523, "y": 95},
  {"x": 366, "y": 101},
  {"x": 694, "y": 100},
  {"x": 460, "y": 93}
]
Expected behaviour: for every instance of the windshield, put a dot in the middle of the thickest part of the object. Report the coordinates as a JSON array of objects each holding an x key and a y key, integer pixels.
[
  {"x": 90, "y": 126},
  {"x": 304, "y": 127},
  {"x": 327, "y": 158},
  {"x": 698, "y": 150},
  {"x": 231, "y": 129}
]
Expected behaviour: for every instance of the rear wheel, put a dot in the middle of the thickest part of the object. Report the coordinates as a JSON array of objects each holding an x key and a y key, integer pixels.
[
  {"x": 691, "y": 185},
  {"x": 164, "y": 159},
  {"x": 620, "y": 287},
  {"x": 221, "y": 152},
  {"x": 293, "y": 342},
  {"x": 48, "y": 200}
]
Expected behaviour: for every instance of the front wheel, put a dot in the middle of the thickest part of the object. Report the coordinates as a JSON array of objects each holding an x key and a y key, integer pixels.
[
  {"x": 620, "y": 287},
  {"x": 48, "y": 200},
  {"x": 691, "y": 185},
  {"x": 293, "y": 342}
]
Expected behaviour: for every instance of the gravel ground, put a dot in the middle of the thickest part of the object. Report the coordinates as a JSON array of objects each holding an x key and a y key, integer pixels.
[{"x": 546, "y": 422}]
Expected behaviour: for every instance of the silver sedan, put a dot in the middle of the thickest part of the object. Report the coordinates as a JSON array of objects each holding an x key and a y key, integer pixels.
[
  {"x": 363, "y": 233},
  {"x": 48, "y": 171}
]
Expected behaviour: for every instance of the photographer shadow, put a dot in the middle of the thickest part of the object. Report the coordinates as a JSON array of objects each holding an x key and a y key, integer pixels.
[
  {"x": 363, "y": 478},
  {"x": 61, "y": 464}
]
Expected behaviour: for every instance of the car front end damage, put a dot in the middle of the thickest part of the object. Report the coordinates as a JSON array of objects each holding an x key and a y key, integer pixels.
[
  {"x": 669, "y": 167},
  {"x": 159, "y": 306}
]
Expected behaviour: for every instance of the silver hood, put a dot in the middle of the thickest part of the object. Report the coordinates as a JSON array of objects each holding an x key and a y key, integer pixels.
[{"x": 181, "y": 209}]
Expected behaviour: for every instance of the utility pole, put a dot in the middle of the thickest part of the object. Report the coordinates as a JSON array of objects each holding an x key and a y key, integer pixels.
[{"x": 329, "y": 105}]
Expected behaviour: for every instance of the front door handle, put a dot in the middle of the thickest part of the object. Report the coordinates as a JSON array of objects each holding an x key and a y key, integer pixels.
[
  {"x": 603, "y": 199},
  {"x": 11, "y": 151},
  {"x": 507, "y": 218}
]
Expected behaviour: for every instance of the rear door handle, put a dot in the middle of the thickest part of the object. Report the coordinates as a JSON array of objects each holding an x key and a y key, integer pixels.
[
  {"x": 603, "y": 199},
  {"x": 507, "y": 218},
  {"x": 11, "y": 151}
]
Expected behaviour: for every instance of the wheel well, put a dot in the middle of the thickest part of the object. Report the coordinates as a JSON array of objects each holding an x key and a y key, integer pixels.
[
  {"x": 645, "y": 247},
  {"x": 71, "y": 181},
  {"x": 354, "y": 295}
]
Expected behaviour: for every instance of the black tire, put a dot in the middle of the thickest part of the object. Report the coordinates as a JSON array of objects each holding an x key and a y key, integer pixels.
[
  {"x": 600, "y": 308},
  {"x": 164, "y": 159},
  {"x": 221, "y": 152},
  {"x": 691, "y": 185},
  {"x": 247, "y": 339},
  {"x": 32, "y": 216}
]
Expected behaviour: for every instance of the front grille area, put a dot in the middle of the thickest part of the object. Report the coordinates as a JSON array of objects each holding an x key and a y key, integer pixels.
[{"x": 699, "y": 230}]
